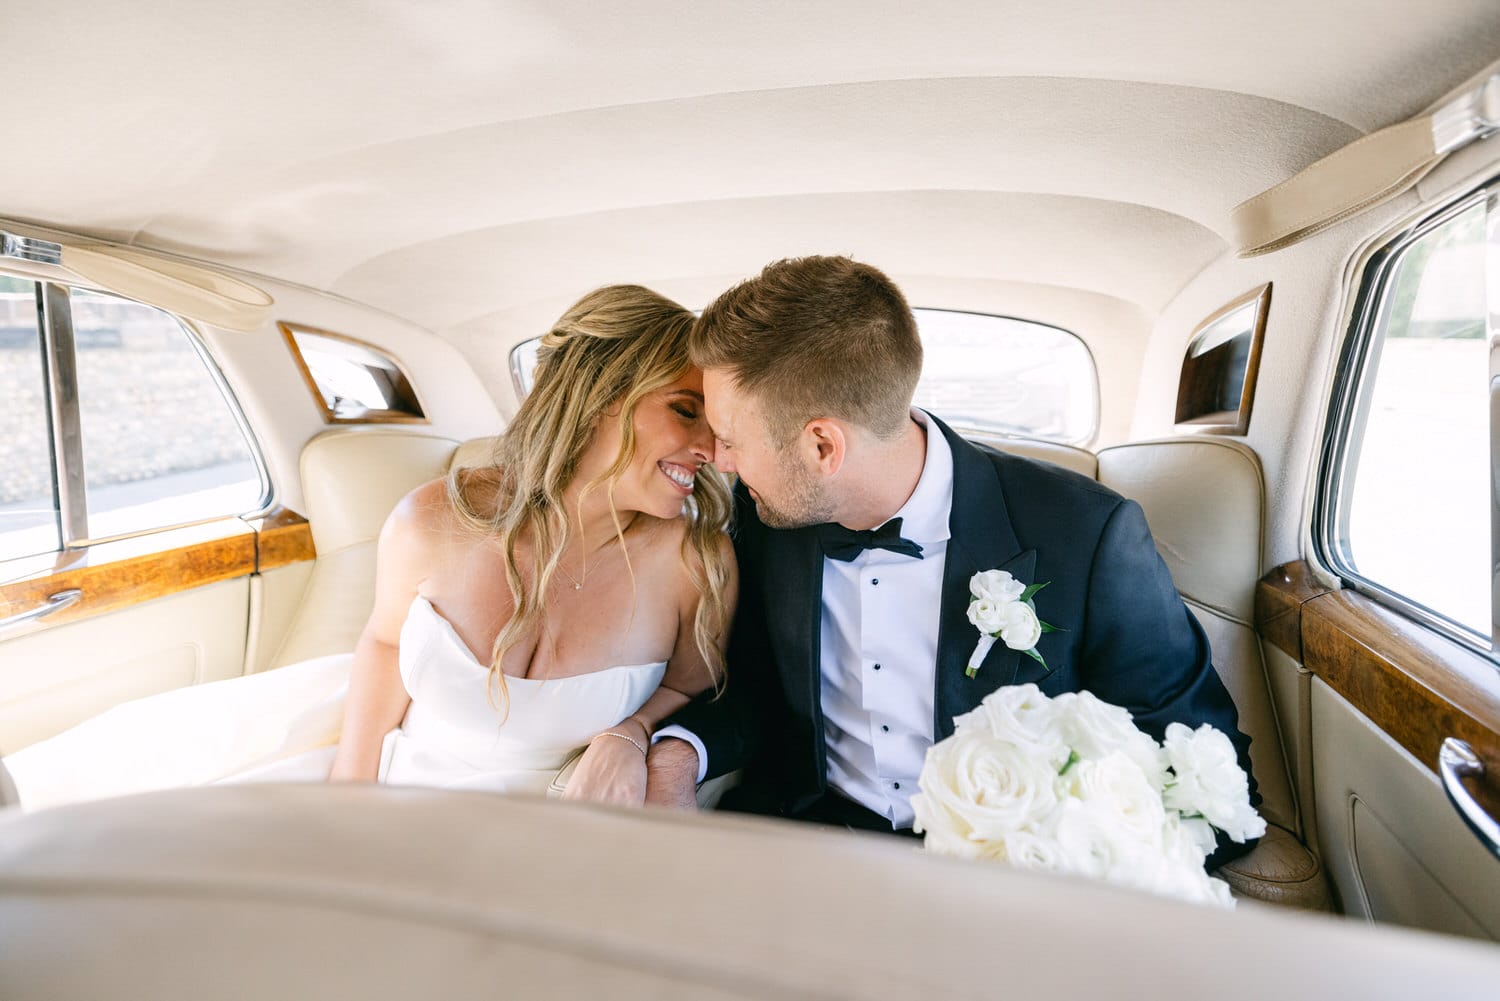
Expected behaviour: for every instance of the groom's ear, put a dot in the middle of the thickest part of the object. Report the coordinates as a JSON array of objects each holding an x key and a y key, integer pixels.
[{"x": 828, "y": 443}]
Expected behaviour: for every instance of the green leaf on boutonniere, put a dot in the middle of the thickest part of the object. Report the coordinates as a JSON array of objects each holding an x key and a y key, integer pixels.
[
  {"x": 1033, "y": 589},
  {"x": 1038, "y": 658},
  {"x": 1047, "y": 627}
]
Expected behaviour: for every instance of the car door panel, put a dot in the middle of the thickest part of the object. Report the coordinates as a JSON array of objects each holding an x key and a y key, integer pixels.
[
  {"x": 1383, "y": 694},
  {"x": 1395, "y": 848},
  {"x": 53, "y": 678},
  {"x": 156, "y": 612}
]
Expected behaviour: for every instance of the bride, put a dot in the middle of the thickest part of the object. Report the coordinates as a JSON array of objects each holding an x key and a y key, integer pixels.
[{"x": 558, "y": 603}]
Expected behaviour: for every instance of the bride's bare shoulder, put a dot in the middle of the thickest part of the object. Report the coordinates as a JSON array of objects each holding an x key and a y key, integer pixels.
[{"x": 431, "y": 511}]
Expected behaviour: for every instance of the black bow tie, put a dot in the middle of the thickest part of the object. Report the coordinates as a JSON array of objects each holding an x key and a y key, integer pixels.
[{"x": 840, "y": 543}]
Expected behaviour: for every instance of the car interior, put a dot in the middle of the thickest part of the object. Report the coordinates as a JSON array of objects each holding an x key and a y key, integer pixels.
[{"x": 263, "y": 272}]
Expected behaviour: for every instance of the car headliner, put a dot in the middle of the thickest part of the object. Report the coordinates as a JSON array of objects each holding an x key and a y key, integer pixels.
[{"x": 472, "y": 167}]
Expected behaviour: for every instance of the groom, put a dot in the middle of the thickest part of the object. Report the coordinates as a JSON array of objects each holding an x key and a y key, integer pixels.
[{"x": 859, "y": 522}]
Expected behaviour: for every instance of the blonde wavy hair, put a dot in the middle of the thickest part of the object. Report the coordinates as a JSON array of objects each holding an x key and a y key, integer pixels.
[{"x": 611, "y": 348}]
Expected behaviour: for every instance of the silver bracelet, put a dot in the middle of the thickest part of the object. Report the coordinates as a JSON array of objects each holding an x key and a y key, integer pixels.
[{"x": 622, "y": 736}]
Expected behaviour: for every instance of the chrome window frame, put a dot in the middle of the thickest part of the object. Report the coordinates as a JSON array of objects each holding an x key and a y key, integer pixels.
[
  {"x": 1348, "y": 412},
  {"x": 65, "y": 418}
]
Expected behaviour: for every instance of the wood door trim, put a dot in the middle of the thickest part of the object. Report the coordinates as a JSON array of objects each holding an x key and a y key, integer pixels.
[
  {"x": 1279, "y": 598},
  {"x": 1418, "y": 687},
  {"x": 282, "y": 536},
  {"x": 127, "y": 572}
]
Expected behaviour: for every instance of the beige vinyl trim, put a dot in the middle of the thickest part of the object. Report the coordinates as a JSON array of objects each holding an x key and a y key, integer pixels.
[
  {"x": 1367, "y": 172},
  {"x": 188, "y": 290}
]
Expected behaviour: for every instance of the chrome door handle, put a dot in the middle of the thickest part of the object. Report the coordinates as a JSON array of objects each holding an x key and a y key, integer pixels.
[
  {"x": 55, "y": 603},
  {"x": 1456, "y": 761}
]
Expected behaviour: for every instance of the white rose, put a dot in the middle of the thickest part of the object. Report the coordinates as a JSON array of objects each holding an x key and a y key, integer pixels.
[
  {"x": 996, "y": 585},
  {"x": 1173, "y": 878},
  {"x": 1117, "y": 786},
  {"x": 1024, "y": 716},
  {"x": 1030, "y": 850},
  {"x": 976, "y": 787},
  {"x": 986, "y": 615},
  {"x": 1208, "y": 780},
  {"x": 1019, "y": 626},
  {"x": 1095, "y": 729},
  {"x": 1090, "y": 843}
]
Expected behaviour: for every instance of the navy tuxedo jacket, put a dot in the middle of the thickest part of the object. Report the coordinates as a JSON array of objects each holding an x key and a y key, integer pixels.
[{"x": 1125, "y": 634}]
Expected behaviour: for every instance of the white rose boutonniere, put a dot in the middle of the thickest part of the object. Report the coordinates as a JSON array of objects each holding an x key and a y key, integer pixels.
[{"x": 1002, "y": 609}]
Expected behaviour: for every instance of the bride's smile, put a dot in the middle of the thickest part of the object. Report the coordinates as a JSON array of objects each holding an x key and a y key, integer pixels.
[{"x": 672, "y": 442}]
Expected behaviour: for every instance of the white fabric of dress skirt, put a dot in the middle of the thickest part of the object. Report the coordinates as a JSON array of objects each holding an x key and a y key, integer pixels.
[{"x": 283, "y": 726}]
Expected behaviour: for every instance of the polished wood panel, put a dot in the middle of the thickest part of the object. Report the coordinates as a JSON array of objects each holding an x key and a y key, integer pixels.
[
  {"x": 1415, "y": 685},
  {"x": 281, "y": 537},
  {"x": 1279, "y": 598},
  {"x": 1203, "y": 374},
  {"x": 126, "y": 572}
]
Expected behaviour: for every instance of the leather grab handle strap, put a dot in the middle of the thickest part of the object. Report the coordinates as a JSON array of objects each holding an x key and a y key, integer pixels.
[
  {"x": 1367, "y": 172},
  {"x": 1457, "y": 761}
]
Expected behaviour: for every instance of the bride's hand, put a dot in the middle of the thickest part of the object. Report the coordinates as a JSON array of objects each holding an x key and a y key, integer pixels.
[{"x": 612, "y": 769}]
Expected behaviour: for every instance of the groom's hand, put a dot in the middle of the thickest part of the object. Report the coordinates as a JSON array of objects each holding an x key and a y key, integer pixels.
[{"x": 672, "y": 774}]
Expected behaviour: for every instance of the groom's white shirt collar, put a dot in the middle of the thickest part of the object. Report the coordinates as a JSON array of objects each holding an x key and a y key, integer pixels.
[{"x": 925, "y": 515}]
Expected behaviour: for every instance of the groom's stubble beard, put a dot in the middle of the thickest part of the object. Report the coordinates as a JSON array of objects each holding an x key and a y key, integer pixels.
[{"x": 804, "y": 501}]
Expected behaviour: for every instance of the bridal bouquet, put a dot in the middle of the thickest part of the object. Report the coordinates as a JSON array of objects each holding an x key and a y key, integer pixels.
[{"x": 1070, "y": 785}]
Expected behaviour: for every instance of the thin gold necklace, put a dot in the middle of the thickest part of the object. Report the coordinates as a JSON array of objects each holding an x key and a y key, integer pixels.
[{"x": 577, "y": 584}]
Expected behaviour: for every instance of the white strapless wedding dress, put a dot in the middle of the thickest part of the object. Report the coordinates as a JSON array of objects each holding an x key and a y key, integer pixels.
[{"x": 282, "y": 726}]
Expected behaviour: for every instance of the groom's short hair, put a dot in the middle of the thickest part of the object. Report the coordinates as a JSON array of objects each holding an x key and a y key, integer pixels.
[{"x": 816, "y": 337}]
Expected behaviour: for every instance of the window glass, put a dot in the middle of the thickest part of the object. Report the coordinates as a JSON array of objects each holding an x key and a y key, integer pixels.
[
  {"x": 523, "y": 358},
  {"x": 994, "y": 373},
  {"x": 353, "y": 380},
  {"x": 161, "y": 444},
  {"x": 981, "y": 373},
  {"x": 28, "y": 507},
  {"x": 1415, "y": 491}
]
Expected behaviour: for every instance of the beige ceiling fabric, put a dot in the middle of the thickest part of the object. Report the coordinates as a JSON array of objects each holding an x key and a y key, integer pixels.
[
  {"x": 533, "y": 148},
  {"x": 185, "y": 289},
  {"x": 1365, "y": 173}
]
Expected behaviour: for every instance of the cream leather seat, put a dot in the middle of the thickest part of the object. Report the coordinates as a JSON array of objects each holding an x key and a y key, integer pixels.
[
  {"x": 351, "y": 480},
  {"x": 367, "y": 891},
  {"x": 1203, "y": 498}
]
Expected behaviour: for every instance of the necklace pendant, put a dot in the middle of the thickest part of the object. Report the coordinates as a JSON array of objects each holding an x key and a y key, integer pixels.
[{"x": 577, "y": 587}]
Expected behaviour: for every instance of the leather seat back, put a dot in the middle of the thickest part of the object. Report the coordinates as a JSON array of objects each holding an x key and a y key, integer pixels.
[
  {"x": 1079, "y": 460},
  {"x": 351, "y": 480},
  {"x": 1204, "y": 500},
  {"x": 355, "y": 890}
]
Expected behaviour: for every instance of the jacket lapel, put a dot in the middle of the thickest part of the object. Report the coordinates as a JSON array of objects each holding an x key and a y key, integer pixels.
[
  {"x": 794, "y": 603},
  {"x": 981, "y": 539}
]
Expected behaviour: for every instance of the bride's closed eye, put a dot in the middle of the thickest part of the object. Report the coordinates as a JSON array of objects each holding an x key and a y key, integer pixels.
[{"x": 686, "y": 411}]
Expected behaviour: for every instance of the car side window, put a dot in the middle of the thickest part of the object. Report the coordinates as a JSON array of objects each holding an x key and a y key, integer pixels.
[
  {"x": 28, "y": 502},
  {"x": 161, "y": 444},
  {"x": 1407, "y": 507},
  {"x": 115, "y": 423}
]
